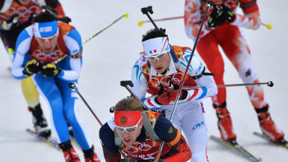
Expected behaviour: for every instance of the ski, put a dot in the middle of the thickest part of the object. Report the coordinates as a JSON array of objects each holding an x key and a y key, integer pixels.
[
  {"x": 50, "y": 141},
  {"x": 283, "y": 143},
  {"x": 235, "y": 146}
]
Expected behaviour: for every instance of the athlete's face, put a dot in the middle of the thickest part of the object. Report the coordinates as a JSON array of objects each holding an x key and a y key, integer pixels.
[
  {"x": 160, "y": 63},
  {"x": 24, "y": 2},
  {"x": 48, "y": 44},
  {"x": 129, "y": 137}
]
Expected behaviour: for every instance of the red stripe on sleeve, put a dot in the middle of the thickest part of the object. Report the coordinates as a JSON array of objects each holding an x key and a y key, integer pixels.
[
  {"x": 150, "y": 103},
  {"x": 194, "y": 94}
]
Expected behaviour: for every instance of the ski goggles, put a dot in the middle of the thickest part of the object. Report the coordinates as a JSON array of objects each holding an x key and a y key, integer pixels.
[
  {"x": 127, "y": 120},
  {"x": 128, "y": 129},
  {"x": 156, "y": 57}
]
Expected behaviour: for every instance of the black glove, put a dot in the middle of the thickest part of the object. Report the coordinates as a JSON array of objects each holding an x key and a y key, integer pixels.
[
  {"x": 162, "y": 90},
  {"x": 50, "y": 70},
  {"x": 32, "y": 67},
  {"x": 13, "y": 23},
  {"x": 184, "y": 92},
  {"x": 65, "y": 19},
  {"x": 31, "y": 18},
  {"x": 220, "y": 15},
  {"x": 50, "y": 10},
  {"x": 45, "y": 9}
]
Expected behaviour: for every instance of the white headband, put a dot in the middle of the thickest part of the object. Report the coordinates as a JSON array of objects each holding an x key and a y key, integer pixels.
[{"x": 156, "y": 46}]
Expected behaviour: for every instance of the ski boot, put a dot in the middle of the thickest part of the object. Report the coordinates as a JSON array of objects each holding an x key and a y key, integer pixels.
[
  {"x": 90, "y": 155},
  {"x": 39, "y": 122},
  {"x": 225, "y": 123},
  {"x": 69, "y": 152},
  {"x": 268, "y": 127}
]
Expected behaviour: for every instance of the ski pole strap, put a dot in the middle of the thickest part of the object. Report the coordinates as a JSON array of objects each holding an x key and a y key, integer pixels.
[
  {"x": 202, "y": 73},
  {"x": 117, "y": 139},
  {"x": 148, "y": 127},
  {"x": 261, "y": 110}
]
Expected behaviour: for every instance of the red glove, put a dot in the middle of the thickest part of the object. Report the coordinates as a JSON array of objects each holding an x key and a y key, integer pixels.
[
  {"x": 173, "y": 94},
  {"x": 163, "y": 99},
  {"x": 170, "y": 95}
]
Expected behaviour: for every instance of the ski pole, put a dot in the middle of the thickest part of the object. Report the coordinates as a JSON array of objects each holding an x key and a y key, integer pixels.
[
  {"x": 140, "y": 23},
  {"x": 73, "y": 86},
  {"x": 209, "y": 4},
  {"x": 269, "y": 84},
  {"x": 146, "y": 11},
  {"x": 124, "y": 15},
  {"x": 126, "y": 84},
  {"x": 268, "y": 26}
]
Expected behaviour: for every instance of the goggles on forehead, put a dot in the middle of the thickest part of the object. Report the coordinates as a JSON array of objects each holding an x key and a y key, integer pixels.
[{"x": 128, "y": 129}]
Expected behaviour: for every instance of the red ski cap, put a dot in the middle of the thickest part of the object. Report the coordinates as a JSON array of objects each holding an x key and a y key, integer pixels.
[{"x": 127, "y": 118}]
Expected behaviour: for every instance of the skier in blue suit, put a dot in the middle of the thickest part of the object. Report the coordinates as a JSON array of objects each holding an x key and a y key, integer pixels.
[{"x": 51, "y": 52}]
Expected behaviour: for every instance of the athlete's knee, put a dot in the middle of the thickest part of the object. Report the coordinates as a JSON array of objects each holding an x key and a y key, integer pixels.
[
  {"x": 70, "y": 115},
  {"x": 199, "y": 157},
  {"x": 247, "y": 72},
  {"x": 55, "y": 102}
]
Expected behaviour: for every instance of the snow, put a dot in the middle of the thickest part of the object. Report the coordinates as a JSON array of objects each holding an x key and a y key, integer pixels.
[{"x": 109, "y": 57}]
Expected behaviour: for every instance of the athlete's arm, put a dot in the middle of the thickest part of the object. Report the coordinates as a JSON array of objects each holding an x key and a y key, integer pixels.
[
  {"x": 206, "y": 84},
  {"x": 193, "y": 18},
  {"x": 168, "y": 133},
  {"x": 74, "y": 47},
  {"x": 110, "y": 150},
  {"x": 251, "y": 18},
  {"x": 138, "y": 79},
  {"x": 22, "y": 53}
]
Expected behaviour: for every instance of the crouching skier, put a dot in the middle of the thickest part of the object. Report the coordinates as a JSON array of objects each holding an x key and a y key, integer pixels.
[{"x": 138, "y": 134}]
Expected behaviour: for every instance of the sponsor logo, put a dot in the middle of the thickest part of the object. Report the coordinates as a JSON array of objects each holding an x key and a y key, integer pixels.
[
  {"x": 248, "y": 72},
  {"x": 198, "y": 125},
  {"x": 45, "y": 29}
]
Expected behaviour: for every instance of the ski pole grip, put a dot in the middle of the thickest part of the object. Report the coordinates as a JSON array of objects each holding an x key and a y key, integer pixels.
[
  {"x": 146, "y": 10},
  {"x": 72, "y": 85},
  {"x": 124, "y": 83},
  {"x": 210, "y": 3}
]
